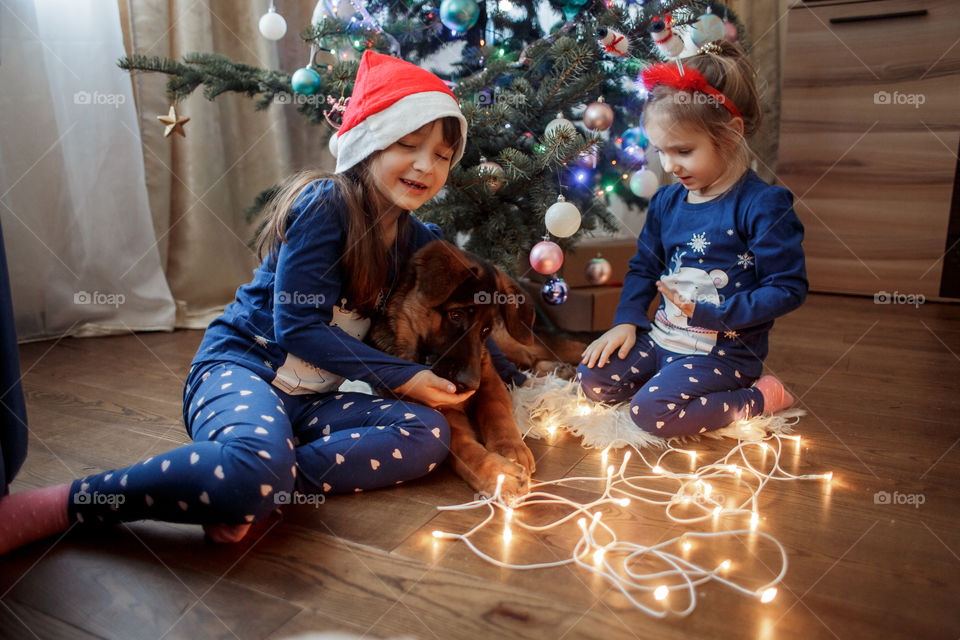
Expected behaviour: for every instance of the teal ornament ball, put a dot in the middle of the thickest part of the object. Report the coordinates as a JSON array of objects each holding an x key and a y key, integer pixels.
[
  {"x": 571, "y": 8},
  {"x": 305, "y": 81},
  {"x": 554, "y": 291},
  {"x": 707, "y": 28},
  {"x": 459, "y": 15},
  {"x": 633, "y": 137}
]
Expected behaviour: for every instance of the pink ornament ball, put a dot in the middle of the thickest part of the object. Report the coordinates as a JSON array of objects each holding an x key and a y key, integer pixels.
[
  {"x": 546, "y": 257},
  {"x": 730, "y": 31}
]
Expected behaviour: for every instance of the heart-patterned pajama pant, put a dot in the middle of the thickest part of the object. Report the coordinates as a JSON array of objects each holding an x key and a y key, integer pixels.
[
  {"x": 255, "y": 448},
  {"x": 672, "y": 394}
]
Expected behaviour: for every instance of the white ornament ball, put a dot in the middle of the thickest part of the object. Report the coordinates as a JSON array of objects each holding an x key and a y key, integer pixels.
[
  {"x": 332, "y": 144},
  {"x": 272, "y": 25},
  {"x": 644, "y": 183},
  {"x": 493, "y": 173},
  {"x": 563, "y": 219},
  {"x": 558, "y": 122}
]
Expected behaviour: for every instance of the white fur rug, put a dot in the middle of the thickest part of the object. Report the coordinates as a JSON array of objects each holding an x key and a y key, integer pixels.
[{"x": 555, "y": 403}]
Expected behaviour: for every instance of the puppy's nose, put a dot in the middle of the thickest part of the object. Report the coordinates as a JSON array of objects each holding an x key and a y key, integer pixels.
[{"x": 464, "y": 381}]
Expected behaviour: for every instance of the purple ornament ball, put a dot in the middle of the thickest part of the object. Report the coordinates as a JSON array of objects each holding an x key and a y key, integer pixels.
[{"x": 554, "y": 291}]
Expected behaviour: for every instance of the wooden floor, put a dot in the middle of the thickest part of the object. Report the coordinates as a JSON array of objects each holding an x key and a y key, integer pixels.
[{"x": 880, "y": 383}]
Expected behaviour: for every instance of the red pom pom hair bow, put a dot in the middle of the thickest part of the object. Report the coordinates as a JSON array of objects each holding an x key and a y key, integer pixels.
[{"x": 684, "y": 79}]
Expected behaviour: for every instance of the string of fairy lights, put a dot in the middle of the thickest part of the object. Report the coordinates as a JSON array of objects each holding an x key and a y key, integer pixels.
[{"x": 659, "y": 579}]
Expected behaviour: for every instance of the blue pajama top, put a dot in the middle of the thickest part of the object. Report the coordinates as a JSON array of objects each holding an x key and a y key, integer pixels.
[
  {"x": 738, "y": 257},
  {"x": 292, "y": 324}
]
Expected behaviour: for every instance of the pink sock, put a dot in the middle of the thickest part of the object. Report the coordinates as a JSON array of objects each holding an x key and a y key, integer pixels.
[
  {"x": 775, "y": 396},
  {"x": 33, "y": 514}
]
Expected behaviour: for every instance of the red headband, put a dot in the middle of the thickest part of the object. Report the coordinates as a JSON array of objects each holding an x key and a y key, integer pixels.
[{"x": 684, "y": 79}]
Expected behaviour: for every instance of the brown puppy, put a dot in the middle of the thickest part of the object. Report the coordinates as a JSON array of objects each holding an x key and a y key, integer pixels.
[{"x": 440, "y": 314}]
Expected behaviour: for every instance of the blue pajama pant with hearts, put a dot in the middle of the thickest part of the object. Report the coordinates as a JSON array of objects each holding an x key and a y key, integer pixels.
[
  {"x": 672, "y": 394},
  {"x": 255, "y": 446}
]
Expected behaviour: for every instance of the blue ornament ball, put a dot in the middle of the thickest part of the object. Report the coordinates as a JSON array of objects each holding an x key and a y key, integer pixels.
[
  {"x": 305, "y": 81},
  {"x": 554, "y": 291},
  {"x": 459, "y": 15}
]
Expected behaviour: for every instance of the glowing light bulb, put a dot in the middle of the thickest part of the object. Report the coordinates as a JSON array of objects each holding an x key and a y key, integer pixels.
[
  {"x": 626, "y": 457},
  {"x": 754, "y": 521},
  {"x": 693, "y": 455},
  {"x": 763, "y": 446},
  {"x": 732, "y": 468},
  {"x": 739, "y": 472},
  {"x": 768, "y": 595},
  {"x": 439, "y": 534},
  {"x": 685, "y": 545},
  {"x": 624, "y": 502},
  {"x": 661, "y": 592},
  {"x": 508, "y": 514},
  {"x": 603, "y": 457},
  {"x": 716, "y": 511},
  {"x": 507, "y": 534},
  {"x": 584, "y": 410},
  {"x": 828, "y": 476},
  {"x": 707, "y": 489},
  {"x": 598, "y": 555},
  {"x": 725, "y": 565},
  {"x": 610, "y": 470},
  {"x": 658, "y": 469}
]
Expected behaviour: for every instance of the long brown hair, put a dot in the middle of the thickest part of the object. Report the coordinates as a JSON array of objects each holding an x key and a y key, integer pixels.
[
  {"x": 365, "y": 261},
  {"x": 730, "y": 72}
]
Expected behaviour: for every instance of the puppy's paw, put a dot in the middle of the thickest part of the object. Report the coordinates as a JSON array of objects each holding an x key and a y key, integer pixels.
[
  {"x": 515, "y": 450},
  {"x": 563, "y": 370},
  {"x": 516, "y": 481}
]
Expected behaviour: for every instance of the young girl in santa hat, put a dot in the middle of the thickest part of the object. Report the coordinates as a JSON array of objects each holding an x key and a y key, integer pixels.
[
  {"x": 261, "y": 401},
  {"x": 723, "y": 250}
]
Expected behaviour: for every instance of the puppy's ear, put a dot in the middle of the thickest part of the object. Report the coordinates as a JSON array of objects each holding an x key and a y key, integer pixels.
[
  {"x": 517, "y": 310},
  {"x": 441, "y": 268}
]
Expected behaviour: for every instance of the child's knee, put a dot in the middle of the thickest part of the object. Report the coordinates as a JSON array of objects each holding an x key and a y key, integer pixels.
[
  {"x": 250, "y": 480},
  {"x": 433, "y": 434},
  {"x": 647, "y": 412},
  {"x": 595, "y": 384}
]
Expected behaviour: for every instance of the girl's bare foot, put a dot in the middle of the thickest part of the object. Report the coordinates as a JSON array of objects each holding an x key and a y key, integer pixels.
[{"x": 224, "y": 533}]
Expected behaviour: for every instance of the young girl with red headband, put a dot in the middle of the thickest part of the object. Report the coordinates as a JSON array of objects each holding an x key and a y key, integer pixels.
[{"x": 722, "y": 248}]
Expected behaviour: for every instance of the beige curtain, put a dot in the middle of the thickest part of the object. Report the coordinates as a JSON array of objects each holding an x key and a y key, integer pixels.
[
  {"x": 766, "y": 24},
  {"x": 200, "y": 186}
]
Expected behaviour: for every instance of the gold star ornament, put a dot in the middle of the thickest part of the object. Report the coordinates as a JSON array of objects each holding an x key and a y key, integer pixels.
[{"x": 174, "y": 123}]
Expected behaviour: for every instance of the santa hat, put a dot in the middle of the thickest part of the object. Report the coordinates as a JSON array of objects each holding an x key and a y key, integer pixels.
[{"x": 392, "y": 98}]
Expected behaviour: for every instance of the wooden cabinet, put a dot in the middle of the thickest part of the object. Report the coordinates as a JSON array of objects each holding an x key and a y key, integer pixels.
[{"x": 869, "y": 137}]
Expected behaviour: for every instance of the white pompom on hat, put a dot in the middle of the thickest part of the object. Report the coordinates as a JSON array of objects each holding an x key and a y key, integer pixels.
[{"x": 392, "y": 98}]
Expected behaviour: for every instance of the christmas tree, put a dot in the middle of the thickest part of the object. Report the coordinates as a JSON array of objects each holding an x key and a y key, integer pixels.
[{"x": 553, "y": 109}]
